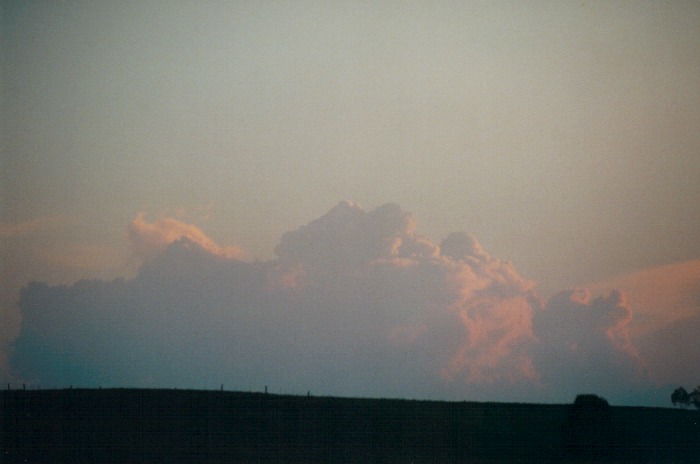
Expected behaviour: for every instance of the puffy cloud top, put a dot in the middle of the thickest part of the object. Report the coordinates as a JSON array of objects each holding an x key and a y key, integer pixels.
[
  {"x": 585, "y": 342},
  {"x": 462, "y": 246},
  {"x": 347, "y": 236}
]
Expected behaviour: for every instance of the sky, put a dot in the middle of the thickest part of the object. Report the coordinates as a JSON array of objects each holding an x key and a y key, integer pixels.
[{"x": 443, "y": 200}]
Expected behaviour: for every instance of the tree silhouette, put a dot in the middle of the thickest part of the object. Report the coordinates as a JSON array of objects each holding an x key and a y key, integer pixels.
[
  {"x": 680, "y": 397},
  {"x": 694, "y": 397},
  {"x": 588, "y": 432}
]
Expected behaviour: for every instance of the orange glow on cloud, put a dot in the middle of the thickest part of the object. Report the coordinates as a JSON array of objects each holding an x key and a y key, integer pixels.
[
  {"x": 494, "y": 329},
  {"x": 659, "y": 296},
  {"x": 666, "y": 305},
  {"x": 150, "y": 238}
]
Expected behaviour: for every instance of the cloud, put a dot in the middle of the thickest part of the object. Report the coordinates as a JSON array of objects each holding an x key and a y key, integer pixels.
[
  {"x": 666, "y": 301},
  {"x": 661, "y": 295},
  {"x": 17, "y": 254},
  {"x": 673, "y": 352},
  {"x": 585, "y": 343},
  {"x": 355, "y": 303},
  {"x": 150, "y": 238},
  {"x": 480, "y": 304},
  {"x": 495, "y": 306},
  {"x": 347, "y": 240}
]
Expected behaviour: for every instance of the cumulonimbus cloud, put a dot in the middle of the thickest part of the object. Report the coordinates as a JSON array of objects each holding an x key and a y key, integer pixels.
[{"x": 355, "y": 303}]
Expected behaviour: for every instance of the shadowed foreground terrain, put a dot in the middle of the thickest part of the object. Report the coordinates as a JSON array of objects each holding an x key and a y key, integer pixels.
[{"x": 171, "y": 426}]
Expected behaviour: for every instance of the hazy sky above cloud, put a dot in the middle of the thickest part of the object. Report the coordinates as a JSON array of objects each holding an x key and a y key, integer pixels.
[{"x": 564, "y": 136}]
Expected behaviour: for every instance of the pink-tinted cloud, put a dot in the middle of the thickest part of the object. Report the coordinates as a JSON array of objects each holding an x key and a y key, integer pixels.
[
  {"x": 666, "y": 300},
  {"x": 355, "y": 303},
  {"x": 495, "y": 307},
  {"x": 483, "y": 299},
  {"x": 150, "y": 238},
  {"x": 660, "y": 296}
]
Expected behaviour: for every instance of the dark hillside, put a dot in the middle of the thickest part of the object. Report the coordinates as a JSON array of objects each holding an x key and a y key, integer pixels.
[{"x": 171, "y": 426}]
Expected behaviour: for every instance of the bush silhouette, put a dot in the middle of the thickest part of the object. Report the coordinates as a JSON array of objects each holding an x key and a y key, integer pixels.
[
  {"x": 680, "y": 396},
  {"x": 588, "y": 429}
]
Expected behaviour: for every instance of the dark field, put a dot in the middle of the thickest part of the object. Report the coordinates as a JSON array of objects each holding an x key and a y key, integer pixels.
[{"x": 183, "y": 426}]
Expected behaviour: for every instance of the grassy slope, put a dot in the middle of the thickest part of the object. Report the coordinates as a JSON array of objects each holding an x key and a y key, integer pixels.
[{"x": 126, "y": 425}]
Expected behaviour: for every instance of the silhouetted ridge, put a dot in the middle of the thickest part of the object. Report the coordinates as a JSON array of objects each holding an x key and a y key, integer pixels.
[{"x": 134, "y": 426}]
